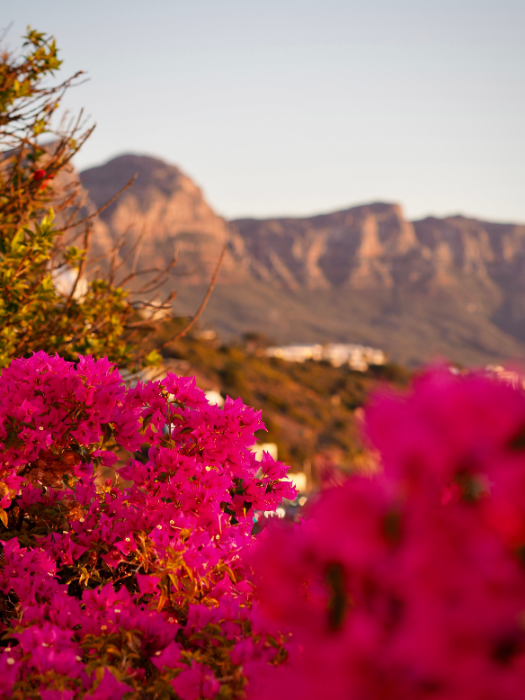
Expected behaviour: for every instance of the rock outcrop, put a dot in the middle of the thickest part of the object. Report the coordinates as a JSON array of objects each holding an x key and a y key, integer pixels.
[
  {"x": 358, "y": 248},
  {"x": 167, "y": 209}
]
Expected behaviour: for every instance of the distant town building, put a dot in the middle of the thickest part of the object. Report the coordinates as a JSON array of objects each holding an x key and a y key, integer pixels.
[
  {"x": 297, "y": 353},
  {"x": 214, "y": 398},
  {"x": 64, "y": 281},
  {"x": 508, "y": 376},
  {"x": 261, "y": 447},
  {"x": 205, "y": 334},
  {"x": 155, "y": 311},
  {"x": 358, "y": 357},
  {"x": 299, "y": 481}
]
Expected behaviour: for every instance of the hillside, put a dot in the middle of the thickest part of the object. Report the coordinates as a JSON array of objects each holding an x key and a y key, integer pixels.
[
  {"x": 452, "y": 287},
  {"x": 309, "y": 409}
]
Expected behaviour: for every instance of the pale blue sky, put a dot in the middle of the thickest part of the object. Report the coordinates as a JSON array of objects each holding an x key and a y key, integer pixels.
[{"x": 303, "y": 106}]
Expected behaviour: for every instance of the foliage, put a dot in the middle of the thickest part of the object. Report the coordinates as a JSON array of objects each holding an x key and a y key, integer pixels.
[
  {"x": 411, "y": 584},
  {"x": 34, "y": 253},
  {"x": 135, "y": 587}
]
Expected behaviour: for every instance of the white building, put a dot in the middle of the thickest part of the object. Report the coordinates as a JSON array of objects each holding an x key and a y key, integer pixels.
[
  {"x": 214, "y": 397},
  {"x": 297, "y": 353},
  {"x": 64, "y": 279},
  {"x": 358, "y": 357},
  {"x": 299, "y": 481},
  {"x": 261, "y": 447}
]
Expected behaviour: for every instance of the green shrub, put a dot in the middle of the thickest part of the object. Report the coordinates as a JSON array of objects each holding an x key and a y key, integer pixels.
[{"x": 89, "y": 317}]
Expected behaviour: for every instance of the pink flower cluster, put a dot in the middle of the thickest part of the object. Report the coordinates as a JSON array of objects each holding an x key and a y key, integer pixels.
[
  {"x": 135, "y": 588},
  {"x": 411, "y": 584}
]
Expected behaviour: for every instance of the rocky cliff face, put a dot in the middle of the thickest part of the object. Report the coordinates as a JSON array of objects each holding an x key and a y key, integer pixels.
[
  {"x": 357, "y": 248},
  {"x": 374, "y": 246},
  {"x": 168, "y": 210},
  {"x": 366, "y": 274}
]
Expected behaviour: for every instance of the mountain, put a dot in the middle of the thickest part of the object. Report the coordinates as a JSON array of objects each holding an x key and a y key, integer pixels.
[
  {"x": 374, "y": 246},
  {"x": 168, "y": 209},
  {"x": 451, "y": 287}
]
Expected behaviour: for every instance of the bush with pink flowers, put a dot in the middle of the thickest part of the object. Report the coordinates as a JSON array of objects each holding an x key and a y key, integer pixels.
[
  {"x": 137, "y": 588},
  {"x": 410, "y": 585}
]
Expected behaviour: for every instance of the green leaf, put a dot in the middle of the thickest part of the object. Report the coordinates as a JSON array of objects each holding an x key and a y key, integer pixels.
[
  {"x": 18, "y": 241},
  {"x": 153, "y": 359}
]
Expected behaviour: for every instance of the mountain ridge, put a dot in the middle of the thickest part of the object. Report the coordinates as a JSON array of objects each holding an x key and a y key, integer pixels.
[{"x": 366, "y": 272}]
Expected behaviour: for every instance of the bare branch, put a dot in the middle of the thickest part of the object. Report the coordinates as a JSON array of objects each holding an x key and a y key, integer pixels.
[
  {"x": 155, "y": 283},
  {"x": 201, "y": 308},
  {"x": 104, "y": 206},
  {"x": 82, "y": 266},
  {"x": 140, "y": 243}
]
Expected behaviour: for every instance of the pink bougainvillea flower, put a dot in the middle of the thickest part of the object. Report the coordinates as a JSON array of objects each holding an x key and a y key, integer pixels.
[
  {"x": 196, "y": 682},
  {"x": 410, "y": 584},
  {"x": 109, "y": 688},
  {"x": 116, "y": 587},
  {"x": 169, "y": 657},
  {"x": 148, "y": 584}
]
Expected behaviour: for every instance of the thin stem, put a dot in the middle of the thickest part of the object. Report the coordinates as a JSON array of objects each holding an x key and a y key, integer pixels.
[{"x": 194, "y": 320}]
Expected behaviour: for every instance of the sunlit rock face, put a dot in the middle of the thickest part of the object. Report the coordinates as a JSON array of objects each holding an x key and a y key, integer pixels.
[
  {"x": 357, "y": 248},
  {"x": 167, "y": 209}
]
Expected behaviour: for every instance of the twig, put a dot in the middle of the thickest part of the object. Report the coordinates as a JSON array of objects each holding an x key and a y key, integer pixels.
[
  {"x": 162, "y": 306},
  {"x": 104, "y": 206},
  {"x": 82, "y": 265},
  {"x": 6, "y": 30},
  {"x": 158, "y": 282},
  {"x": 138, "y": 250},
  {"x": 194, "y": 320}
]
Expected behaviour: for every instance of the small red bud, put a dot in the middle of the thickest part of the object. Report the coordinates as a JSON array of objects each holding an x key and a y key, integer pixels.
[{"x": 39, "y": 174}]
